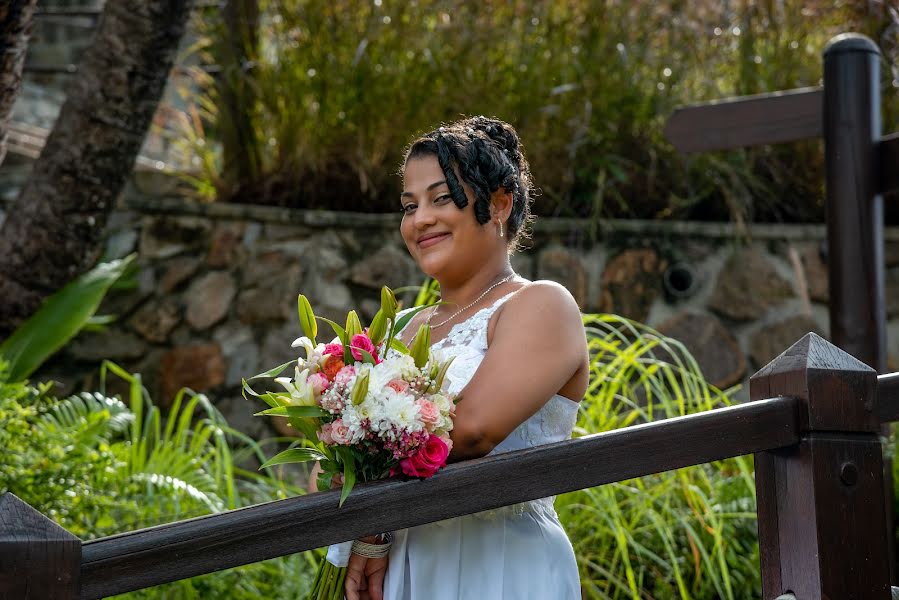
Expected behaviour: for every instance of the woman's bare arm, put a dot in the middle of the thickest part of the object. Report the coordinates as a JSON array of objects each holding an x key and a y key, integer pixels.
[{"x": 538, "y": 346}]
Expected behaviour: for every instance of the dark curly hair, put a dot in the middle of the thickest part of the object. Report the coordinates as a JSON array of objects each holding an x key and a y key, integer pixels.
[{"x": 488, "y": 155}]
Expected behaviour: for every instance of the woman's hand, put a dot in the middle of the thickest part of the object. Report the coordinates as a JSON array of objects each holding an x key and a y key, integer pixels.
[{"x": 365, "y": 576}]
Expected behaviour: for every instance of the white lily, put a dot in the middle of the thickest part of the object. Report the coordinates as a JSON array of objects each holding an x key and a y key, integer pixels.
[
  {"x": 301, "y": 393},
  {"x": 313, "y": 353}
]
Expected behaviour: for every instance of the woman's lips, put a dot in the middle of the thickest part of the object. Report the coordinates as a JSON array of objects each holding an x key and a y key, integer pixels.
[{"x": 428, "y": 241}]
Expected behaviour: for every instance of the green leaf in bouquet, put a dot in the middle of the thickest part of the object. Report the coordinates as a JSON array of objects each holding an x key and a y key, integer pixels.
[
  {"x": 360, "y": 389},
  {"x": 404, "y": 320},
  {"x": 441, "y": 374},
  {"x": 303, "y": 412},
  {"x": 349, "y": 472},
  {"x": 353, "y": 325},
  {"x": 293, "y": 455},
  {"x": 399, "y": 346},
  {"x": 304, "y": 426},
  {"x": 269, "y": 398},
  {"x": 273, "y": 372},
  {"x": 338, "y": 330},
  {"x": 378, "y": 328},
  {"x": 307, "y": 318},
  {"x": 323, "y": 482},
  {"x": 388, "y": 303},
  {"x": 366, "y": 357},
  {"x": 421, "y": 346}
]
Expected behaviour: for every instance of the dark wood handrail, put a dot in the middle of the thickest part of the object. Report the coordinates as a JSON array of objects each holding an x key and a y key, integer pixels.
[{"x": 156, "y": 555}]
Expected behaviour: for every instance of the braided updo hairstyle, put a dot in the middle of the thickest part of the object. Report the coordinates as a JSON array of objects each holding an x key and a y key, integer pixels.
[{"x": 488, "y": 155}]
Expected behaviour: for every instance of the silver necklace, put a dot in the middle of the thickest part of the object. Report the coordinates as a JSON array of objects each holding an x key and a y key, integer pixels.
[{"x": 467, "y": 306}]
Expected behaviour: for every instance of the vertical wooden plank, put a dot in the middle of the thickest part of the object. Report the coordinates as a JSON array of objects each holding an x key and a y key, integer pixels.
[
  {"x": 39, "y": 560},
  {"x": 821, "y": 512}
]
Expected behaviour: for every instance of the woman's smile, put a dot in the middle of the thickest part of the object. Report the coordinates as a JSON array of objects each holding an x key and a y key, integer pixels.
[{"x": 430, "y": 239}]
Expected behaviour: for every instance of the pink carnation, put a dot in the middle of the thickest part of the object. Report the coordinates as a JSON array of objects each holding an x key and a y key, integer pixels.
[
  {"x": 359, "y": 342},
  {"x": 429, "y": 413},
  {"x": 427, "y": 460},
  {"x": 335, "y": 349}
]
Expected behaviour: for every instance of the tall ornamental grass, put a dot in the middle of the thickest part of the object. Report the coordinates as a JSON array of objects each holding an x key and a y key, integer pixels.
[
  {"x": 309, "y": 104},
  {"x": 689, "y": 533}
]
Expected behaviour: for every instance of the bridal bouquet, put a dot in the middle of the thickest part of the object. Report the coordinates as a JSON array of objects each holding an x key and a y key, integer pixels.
[{"x": 367, "y": 405}]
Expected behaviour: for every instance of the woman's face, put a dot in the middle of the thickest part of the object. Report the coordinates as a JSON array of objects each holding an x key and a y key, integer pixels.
[{"x": 444, "y": 240}]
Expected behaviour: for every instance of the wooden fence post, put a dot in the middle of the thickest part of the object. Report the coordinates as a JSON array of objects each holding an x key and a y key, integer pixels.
[
  {"x": 821, "y": 516},
  {"x": 852, "y": 128},
  {"x": 39, "y": 560}
]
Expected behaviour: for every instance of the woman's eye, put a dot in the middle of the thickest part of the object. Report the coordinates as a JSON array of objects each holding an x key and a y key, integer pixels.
[
  {"x": 407, "y": 208},
  {"x": 442, "y": 199}
]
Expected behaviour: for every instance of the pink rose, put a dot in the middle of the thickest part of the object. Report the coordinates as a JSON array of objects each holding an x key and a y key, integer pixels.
[
  {"x": 319, "y": 383},
  {"x": 340, "y": 433},
  {"x": 359, "y": 342},
  {"x": 427, "y": 460},
  {"x": 333, "y": 349},
  {"x": 448, "y": 442},
  {"x": 398, "y": 385},
  {"x": 325, "y": 434},
  {"x": 429, "y": 413}
]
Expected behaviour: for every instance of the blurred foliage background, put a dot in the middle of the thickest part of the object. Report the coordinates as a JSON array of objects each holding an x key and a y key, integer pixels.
[{"x": 310, "y": 104}]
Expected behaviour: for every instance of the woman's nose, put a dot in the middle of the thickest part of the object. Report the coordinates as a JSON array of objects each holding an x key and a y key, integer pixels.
[{"x": 425, "y": 215}]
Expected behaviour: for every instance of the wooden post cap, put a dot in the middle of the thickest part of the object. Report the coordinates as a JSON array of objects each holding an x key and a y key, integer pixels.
[
  {"x": 842, "y": 388},
  {"x": 38, "y": 558},
  {"x": 850, "y": 42}
]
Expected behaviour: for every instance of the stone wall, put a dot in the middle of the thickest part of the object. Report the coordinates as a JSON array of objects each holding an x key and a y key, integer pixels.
[{"x": 214, "y": 299}]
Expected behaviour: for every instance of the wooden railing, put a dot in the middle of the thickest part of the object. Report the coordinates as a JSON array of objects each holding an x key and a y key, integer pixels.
[{"x": 813, "y": 428}]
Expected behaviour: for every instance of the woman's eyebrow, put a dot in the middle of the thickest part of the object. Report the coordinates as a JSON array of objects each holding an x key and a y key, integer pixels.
[{"x": 430, "y": 187}]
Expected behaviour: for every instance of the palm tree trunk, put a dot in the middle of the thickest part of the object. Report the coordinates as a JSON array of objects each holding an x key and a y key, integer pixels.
[
  {"x": 54, "y": 230},
  {"x": 15, "y": 29}
]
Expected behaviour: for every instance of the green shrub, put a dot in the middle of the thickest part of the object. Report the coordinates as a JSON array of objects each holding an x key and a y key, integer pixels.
[
  {"x": 98, "y": 466},
  {"x": 315, "y": 108}
]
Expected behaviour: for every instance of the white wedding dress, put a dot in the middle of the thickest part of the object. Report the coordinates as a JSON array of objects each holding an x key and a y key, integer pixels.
[{"x": 516, "y": 552}]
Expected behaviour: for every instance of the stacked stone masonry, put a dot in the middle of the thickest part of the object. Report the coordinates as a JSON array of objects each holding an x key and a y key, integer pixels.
[{"x": 214, "y": 299}]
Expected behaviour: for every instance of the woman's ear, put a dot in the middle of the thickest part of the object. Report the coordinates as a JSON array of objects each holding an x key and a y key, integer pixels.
[{"x": 501, "y": 204}]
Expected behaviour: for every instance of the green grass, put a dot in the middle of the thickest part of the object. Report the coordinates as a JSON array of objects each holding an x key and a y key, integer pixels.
[{"x": 689, "y": 533}]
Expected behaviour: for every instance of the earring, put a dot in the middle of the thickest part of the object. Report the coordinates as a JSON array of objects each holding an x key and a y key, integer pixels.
[{"x": 500, "y": 223}]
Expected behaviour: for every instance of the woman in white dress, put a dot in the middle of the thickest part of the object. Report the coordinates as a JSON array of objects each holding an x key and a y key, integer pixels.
[{"x": 521, "y": 358}]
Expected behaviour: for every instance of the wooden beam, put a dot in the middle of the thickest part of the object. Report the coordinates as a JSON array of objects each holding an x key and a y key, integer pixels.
[
  {"x": 772, "y": 118},
  {"x": 149, "y": 557}
]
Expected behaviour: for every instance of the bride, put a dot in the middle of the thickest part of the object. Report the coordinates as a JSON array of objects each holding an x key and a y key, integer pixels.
[{"x": 521, "y": 358}]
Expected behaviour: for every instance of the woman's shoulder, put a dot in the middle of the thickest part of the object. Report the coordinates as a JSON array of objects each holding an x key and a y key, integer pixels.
[{"x": 542, "y": 294}]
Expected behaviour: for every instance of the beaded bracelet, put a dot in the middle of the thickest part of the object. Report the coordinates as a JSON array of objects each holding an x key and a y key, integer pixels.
[{"x": 373, "y": 550}]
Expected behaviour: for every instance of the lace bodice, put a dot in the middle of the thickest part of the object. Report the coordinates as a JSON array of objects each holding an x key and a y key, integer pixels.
[{"x": 467, "y": 341}]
